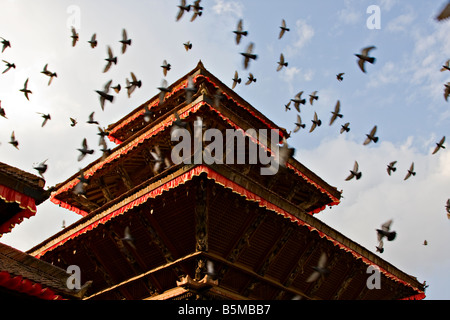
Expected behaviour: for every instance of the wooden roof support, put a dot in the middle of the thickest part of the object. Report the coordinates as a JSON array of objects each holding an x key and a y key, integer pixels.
[
  {"x": 106, "y": 193},
  {"x": 318, "y": 283},
  {"x": 125, "y": 177},
  {"x": 350, "y": 275}
]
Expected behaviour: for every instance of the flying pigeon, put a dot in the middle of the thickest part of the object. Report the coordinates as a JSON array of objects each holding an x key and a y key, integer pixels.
[
  {"x": 284, "y": 153},
  {"x": 236, "y": 79},
  {"x": 335, "y": 113},
  {"x": 299, "y": 124},
  {"x": 49, "y": 74},
  {"x": 147, "y": 113},
  {"x": 283, "y": 29},
  {"x": 385, "y": 231},
  {"x": 282, "y": 63},
  {"x": 439, "y": 145},
  {"x": 345, "y": 127},
  {"x": 313, "y": 96},
  {"x": 166, "y": 67},
  {"x": 8, "y": 66},
  {"x": 446, "y": 66},
  {"x": 187, "y": 45},
  {"x": 46, "y": 118},
  {"x": 2, "y": 111},
  {"x": 248, "y": 54},
  {"x": 363, "y": 57},
  {"x": 425, "y": 242},
  {"x": 127, "y": 237},
  {"x": 251, "y": 79},
  {"x": 104, "y": 96},
  {"x": 111, "y": 59},
  {"x": 163, "y": 90},
  {"x": 83, "y": 182},
  {"x": 84, "y": 150},
  {"x": 447, "y": 207},
  {"x": 25, "y": 90},
  {"x": 14, "y": 141},
  {"x": 125, "y": 41},
  {"x": 391, "y": 167},
  {"x": 158, "y": 159},
  {"x": 74, "y": 37},
  {"x": 197, "y": 10},
  {"x": 183, "y": 7},
  {"x": 73, "y": 122},
  {"x": 91, "y": 119},
  {"x": 133, "y": 84},
  {"x": 444, "y": 13},
  {"x": 5, "y": 43},
  {"x": 371, "y": 136},
  {"x": 316, "y": 122},
  {"x": 446, "y": 90},
  {"x": 287, "y": 106},
  {"x": 380, "y": 248},
  {"x": 190, "y": 89},
  {"x": 240, "y": 31},
  {"x": 410, "y": 172},
  {"x": 340, "y": 77},
  {"x": 320, "y": 270},
  {"x": 298, "y": 100},
  {"x": 354, "y": 173},
  {"x": 41, "y": 168},
  {"x": 93, "y": 42}
]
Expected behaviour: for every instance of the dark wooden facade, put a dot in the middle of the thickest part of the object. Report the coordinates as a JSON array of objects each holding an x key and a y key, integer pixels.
[{"x": 257, "y": 231}]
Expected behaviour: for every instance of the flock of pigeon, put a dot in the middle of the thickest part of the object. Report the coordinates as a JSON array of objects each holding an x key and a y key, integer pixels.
[{"x": 248, "y": 55}]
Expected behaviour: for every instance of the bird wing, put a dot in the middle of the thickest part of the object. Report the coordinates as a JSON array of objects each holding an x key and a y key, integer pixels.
[
  {"x": 322, "y": 260},
  {"x": 313, "y": 277},
  {"x": 387, "y": 225},
  {"x": 366, "y": 50},
  {"x": 444, "y": 14},
  {"x": 361, "y": 65}
]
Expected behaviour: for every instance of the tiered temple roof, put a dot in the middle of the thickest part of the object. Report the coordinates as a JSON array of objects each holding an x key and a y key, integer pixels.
[{"x": 258, "y": 231}]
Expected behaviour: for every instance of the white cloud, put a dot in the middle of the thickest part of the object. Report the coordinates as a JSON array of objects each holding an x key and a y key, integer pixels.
[
  {"x": 401, "y": 23},
  {"x": 304, "y": 32},
  {"x": 234, "y": 8}
]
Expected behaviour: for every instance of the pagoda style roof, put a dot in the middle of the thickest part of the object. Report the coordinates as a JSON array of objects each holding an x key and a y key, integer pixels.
[
  {"x": 24, "y": 276},
  {"x": 259, "y": 231},
  {"x": 20, "y": 193}
]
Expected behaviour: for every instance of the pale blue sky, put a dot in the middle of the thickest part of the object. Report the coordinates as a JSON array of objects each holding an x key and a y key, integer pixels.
[{"x": 402, "y": 93}]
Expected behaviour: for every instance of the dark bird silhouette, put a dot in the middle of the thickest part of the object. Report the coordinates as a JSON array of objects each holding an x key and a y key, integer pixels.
[
  {"x": 83, "y": 182},
  {"x": 363, "y": 57},
  {"x": 444, "y": 14},
  {"x": 5, "y": 43},
  {"x": 299, "y": 124},
  {"x": 283, "y": 29},
  {"x": 2, "y": 111},
  {"x": 446, "y": 66},
  {"x": 316, "y": 122},
  {"x": 336, "y": 113},
  {"x": 447, "y": 207},
  {"x": 148, "y": 114},
  {"x": 410, "y": 172},
  {"x": 439, "y": 145},
  {"x": 8, "y": 66},
  {"x": 25, "y": 90},
  {"x": 84, "y": 150},
  {"x": 117, "y": 88},
  {"x": 166, "y": 67},
  {"x": 340, "y": 77},
  {"x": 104, "y": 95},
  {"x": 49, "y": 74},
  {"x": 287, "y": 106},
  {"x": 74, "y": 37},
  {"x": 282, "y": 63},
  {"x": 249, "y": 55},
  {"x": 425, "y": 242},
  {"x": 391, "y": 167},
  {"x": 250, "y": 78},
  {"x": 236, "y": 79},
  {"x": 73, "y": 122},
  {"x": 46, "y": 118},
  {"x": 183, "y": 7},
  {"x": 345, "y": 127},
  {"x": 446, "y": 90},
  {"x": 187, "y": 45},
  {"x": 313, "y": 96},
  {"x": 125, "y": 41},
  {"x": 14, "y": 142},
  {"x": 298, "y": 100},
  {"x": 164, "y": 89},
  {"x": 102, "y": 133},
  {"x": 93, "y": 42},
  {"x": 385, "y": 231},
  {"x": 91, "y": 119},
  {"x": 41, "y": 168},
  {"x": 371, "y": 136},
  {"x": 320, "y": 270},
  {"x": 198, "y": 10},
  {"x": 111, "y": 60},
  {"x": 354, "y": 173},
  {"x": 240, "y": 31},
  {"x": 133, "y": 84}
]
